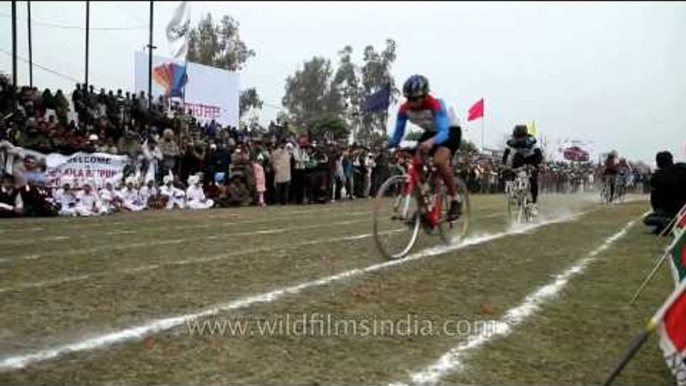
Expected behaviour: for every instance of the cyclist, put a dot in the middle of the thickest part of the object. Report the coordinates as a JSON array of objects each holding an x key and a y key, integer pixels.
[
  {"x": 526, "y": 152},
  {"x": 442, "y": 133},
  {"x": 624, "y": 173},
  {"x": 610, "y": 172}
]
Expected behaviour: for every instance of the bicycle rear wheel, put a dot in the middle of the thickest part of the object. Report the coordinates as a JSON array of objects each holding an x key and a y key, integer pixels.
[
  {"x": 396, "y": 219},
  {"x": 455, "y": 231}
]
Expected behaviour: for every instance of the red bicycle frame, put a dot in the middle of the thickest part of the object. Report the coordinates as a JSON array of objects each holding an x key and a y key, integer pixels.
[{"x": 415, "y": 177}]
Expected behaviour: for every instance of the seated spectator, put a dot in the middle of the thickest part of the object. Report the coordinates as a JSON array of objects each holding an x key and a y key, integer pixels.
[
  {"x": 110, "y": 199},
  {"x": 150, "y": 196},
  {"x": 195, "y": 196},
  {"x": 668, "y": 193},
  {"x": 37, "y": 201},
  {"x": 11, "y": 204},
  {"x": 88, "y": 202},
  {"x": 174, "y": 196},
  {"x": 130, "y": 198},
  {"x": 66, "y": 199}
]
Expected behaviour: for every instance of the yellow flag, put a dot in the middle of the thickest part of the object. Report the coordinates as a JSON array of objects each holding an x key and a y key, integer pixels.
[{"x": 533, "y": 130}]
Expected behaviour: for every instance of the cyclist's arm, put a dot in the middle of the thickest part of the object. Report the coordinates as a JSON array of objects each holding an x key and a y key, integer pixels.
[
  {"x": 399, "y": 132},
  {"x": 442, "y": 123}
]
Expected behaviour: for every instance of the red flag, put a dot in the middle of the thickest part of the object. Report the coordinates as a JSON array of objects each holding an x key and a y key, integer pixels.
[
  {"x": 671, "y": 324},
  {"x": 476, "y": 111}
]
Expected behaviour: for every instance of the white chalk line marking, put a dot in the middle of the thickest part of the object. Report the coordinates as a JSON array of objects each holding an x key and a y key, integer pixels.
[
  {"x": 209, "y": 259},
  {"x": 69, "y": 279},
  {"x": 158, "y": 325},
  {"x": 153, "y": 243},
  {"x": 451, "y": 361}
]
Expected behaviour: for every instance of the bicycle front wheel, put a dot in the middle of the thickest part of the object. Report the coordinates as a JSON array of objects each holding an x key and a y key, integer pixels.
[{"x": 396, "y": 219}]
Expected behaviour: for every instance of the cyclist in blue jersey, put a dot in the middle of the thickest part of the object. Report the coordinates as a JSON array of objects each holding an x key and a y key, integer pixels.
[{"x": 442, "y": 134}]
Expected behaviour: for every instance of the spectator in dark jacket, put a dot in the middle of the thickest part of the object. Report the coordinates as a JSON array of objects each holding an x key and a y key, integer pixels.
[{"x": 668, "y": 191}]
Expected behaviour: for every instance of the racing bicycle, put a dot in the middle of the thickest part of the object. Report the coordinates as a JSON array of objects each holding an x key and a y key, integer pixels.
[{"x": 413, "y": 200}]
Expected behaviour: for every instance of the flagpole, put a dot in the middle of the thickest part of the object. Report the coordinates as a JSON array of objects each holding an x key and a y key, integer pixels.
[
  {"x": 649, "y": 277},
  {"x": 150, "y": 48},
  {"x": 483, "y": 123},
  {"x": 659, "y": 263},
  {"x": 635, "y": 346}
]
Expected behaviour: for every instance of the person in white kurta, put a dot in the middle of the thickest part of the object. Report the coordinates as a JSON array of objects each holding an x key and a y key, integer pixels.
[
  {"x": 67, "y": 200},
  {"x": 109, "y": 199},
  {"x": 175, "y": 196},
  {"x": 130, "y": 197},
  {"x": 146, "y": 192},
  {"x": 195, "y": 196},
  {"x": 153, "y": 154},
  {"x": 88, "y": 202}
]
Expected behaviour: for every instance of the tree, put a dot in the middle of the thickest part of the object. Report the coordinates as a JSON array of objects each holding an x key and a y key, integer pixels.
[
  {"x": 249, "y": 99},
  {"x": 328, "y": 127},
  {"x": 347, "y": 81},
  {"x": 310, "y": 93},
  {"x": 376, "y": 73},
  {"x": 356, "y": 82},
  {"x": 218, "y": 45}
]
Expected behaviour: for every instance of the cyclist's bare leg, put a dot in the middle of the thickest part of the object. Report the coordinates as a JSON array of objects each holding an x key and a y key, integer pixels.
[{"x": 442, "y": 162}]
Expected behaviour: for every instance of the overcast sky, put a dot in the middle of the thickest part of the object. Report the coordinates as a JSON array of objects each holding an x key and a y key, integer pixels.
[{"x": 612, "y": 73}]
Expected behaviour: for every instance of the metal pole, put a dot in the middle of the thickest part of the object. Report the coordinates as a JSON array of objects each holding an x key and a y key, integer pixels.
[
  {"x": 633, "y": 349},
  {"x": 483, "y": 123},
  {"x": 150, "y": 48},
  {"x": 649, "y": 277},
  {"x": 28, "y": 10},
  {"x": 88, "y": 24},
  {"x": 14, "y": 43}
]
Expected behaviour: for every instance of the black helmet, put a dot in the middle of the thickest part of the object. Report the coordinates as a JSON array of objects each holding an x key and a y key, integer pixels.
[
  {"x": 416, "y": 86},
  {"x": 519, "y": 131}
]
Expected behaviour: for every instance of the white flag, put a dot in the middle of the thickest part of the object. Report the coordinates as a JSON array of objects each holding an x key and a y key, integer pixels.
[{"x": 178, "y": 31}]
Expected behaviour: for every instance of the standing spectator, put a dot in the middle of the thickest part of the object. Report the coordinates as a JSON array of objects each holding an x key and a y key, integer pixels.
[
  {"x": 259, "y": 180},
  {"x": 79, "y": 99},
  {"x": 281, "y": 162},
  {"x": 668, "y": 193},
  {"x": 61, "y": 107},
  {"x": 194, "y": 158},
  {"x": 152, "y": 157},
  {"x": 301, "y": 159},
  {"x": 349, "y": 171},
  {"x": 12, "y": 162},
  {"x": 170, "y": 150}
]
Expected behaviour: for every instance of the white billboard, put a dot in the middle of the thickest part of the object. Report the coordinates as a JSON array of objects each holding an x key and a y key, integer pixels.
[{"x": 210, "y": 93}]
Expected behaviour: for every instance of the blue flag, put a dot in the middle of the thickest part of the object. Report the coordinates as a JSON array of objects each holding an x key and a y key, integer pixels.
[{"x": 379, "y": 101}]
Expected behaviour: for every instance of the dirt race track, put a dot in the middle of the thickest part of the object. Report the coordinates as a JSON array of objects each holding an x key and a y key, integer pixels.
[{"x": 299, "y": 295}]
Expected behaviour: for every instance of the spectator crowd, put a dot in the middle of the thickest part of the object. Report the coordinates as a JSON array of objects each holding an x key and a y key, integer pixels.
[{"x": 176, "y": 161}]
